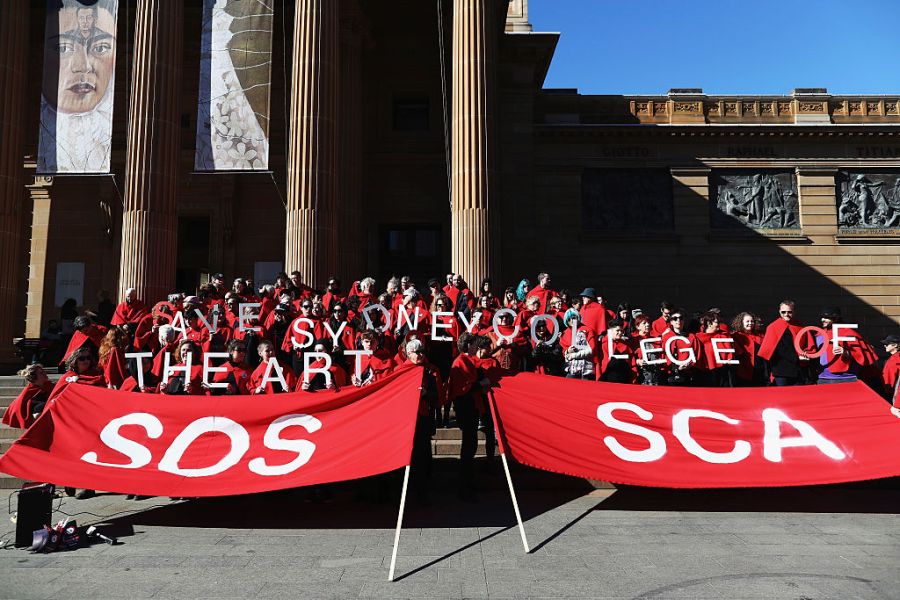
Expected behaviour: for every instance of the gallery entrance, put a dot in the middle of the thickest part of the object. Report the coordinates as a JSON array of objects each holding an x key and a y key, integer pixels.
[
  {"x": 413, "y": 249},
  {"x": 193, "y": 266}
]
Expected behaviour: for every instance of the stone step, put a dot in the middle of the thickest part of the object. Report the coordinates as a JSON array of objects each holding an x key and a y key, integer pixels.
[
  {"x": 5, "y": 445},
  {"x": 8, "y": 482},
  {"x": 9, "y": 433},
  {"x": 452, "y": 448},
  {"x": 453, "y": 433}
]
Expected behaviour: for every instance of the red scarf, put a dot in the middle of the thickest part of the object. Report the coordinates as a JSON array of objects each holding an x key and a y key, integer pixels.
[{"x": 774, "y": 332}]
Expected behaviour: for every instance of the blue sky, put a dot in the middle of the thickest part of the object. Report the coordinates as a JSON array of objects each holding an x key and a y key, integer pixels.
[{"x": 723, "y": 46}]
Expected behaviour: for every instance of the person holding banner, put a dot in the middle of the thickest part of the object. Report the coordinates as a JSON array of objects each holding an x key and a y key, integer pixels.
[
  {"x": 431, "y": 394},
  {"x": 374, "y": 366},
  {"x": 81, "y": 369},
  {"x": 29, "y": 404},
  {"x": 323, "y": 373},
  {"x": 891, "y": 372},
  {"x": 464, "y": 390}
]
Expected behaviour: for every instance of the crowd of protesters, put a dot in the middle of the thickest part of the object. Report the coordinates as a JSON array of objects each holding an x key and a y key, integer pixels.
[{"x": 467, "y": 339}]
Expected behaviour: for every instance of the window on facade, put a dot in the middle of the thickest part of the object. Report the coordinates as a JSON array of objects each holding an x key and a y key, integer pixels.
[
  {"x": 410, "y": 112},
  {"x": 628, "y": 200}
]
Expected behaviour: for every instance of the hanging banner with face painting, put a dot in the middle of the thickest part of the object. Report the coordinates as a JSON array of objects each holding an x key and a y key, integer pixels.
[
  {"x": 78, "y": 86},
  {"x": 235, "y": 80}
]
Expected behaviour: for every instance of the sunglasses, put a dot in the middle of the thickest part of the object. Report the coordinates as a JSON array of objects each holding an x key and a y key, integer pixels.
[
  {"x": 306, "y": 306},
  {"x": 677, "y": 318},
  {"x": 787, "y": 312}
]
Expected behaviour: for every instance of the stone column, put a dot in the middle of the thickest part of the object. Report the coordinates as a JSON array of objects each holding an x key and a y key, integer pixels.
[
  {"x": 14, "y": 67},
  {"x": 149, "y": 220},
  {"x": 474, "y": 212},
  {"x": 37, "y": 262},
  {"x": 310, "y": 240},
  {"x": 350, "y": 261}
]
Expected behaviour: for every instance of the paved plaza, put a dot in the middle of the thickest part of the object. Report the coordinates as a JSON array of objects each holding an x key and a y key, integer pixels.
[{"x": 838, "y": 542}]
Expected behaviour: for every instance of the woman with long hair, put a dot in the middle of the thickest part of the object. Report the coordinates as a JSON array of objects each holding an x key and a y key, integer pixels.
[{"x": 112, "y": 356}]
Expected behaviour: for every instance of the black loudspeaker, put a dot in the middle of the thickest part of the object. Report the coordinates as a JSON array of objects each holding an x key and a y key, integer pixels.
[{"x": 35, "y": 509}]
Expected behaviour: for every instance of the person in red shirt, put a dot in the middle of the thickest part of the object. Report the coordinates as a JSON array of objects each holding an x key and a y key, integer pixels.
[
  {"x": 661, "y": 324},
  {"x": 648, "y": 372},
  {"x": 462, "y": 300},
  {"x": 430, "y": 397},
  {"x": 751, "y": 370},
  {"x": 315, "y": 380},
  {"x": 891, "y": 372},
  {"x": 301, "y": 290},
  {"x": 112, "y": 356},
  {"x": 129, "y": 311},
  {"x": 684, "y": 351},
  {"x": 618, "y": 362},
  {"x": 465, "y": 389},
  {"x": 267, "y": 354},
  {"x": 333, "y": 294},
  {"x": 543, "y": 291},
  {"x": 711, "y": 372},
  {"x": 510, "y": 348},
  {"x": 30, "y": 402},
  {"x": 87, "y": 334},
  {"x": 372, "y": 367},
  {"x": 237, "y": 371},
  {"x": 182, "y": 382},
  {"x": 594, "y": 314}
]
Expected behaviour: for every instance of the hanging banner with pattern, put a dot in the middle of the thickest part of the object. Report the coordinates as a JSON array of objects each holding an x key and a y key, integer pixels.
[
  {"x": 235, "y": 82},
  {"x": 78, "y": 86}
]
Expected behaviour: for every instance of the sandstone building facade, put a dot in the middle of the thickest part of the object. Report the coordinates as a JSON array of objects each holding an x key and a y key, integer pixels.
[{"x": 417, "y": 138}]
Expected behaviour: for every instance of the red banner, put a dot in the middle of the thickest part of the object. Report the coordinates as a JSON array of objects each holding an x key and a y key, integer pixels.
[
  {"x": 161, "y": 445},
  {"x": 699, "y": 437}
]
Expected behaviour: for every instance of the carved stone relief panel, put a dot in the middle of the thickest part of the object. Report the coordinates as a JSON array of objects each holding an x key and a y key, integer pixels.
[
  {"x": 868, "y": 200},
  {"x": 758, "y": 200},
  {"x": 628, "y": 200}
]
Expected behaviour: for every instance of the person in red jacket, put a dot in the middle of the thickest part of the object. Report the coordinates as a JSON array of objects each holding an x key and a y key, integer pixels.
[
  {"x": 462, "y": 300},
  {"x": 685, "y": 351},
  {"x": 81, "y": 369},
  {"x": 661, "y": 324},
  {"x": 594, "y": 314},
  {"x": 712, "y": 369},
  {"x": 751, "y": 370},
  {"x": 890, "y": 374},
  {"x": 184, "y": 381},
  {"x": 431, "y": 394},
  {"x": 237, "y": 371},
  {"x": 372, "y": 367},
  {"x": 510, "y": 347},
  {"x": 87, "y": 335},
  {"x": 786, "y": 365},
  {"x": 543, "y": 291},
  {"x": 131, "y": 310},
  {"x": 847, "y": 360},
  {"x": 465, "y": 389},
  {"x": 579, "y": 346},
  {"x": 112, "y": 356},
  {"x": 314, "y": 379},
  {"x": 146, "y": 338},
  {"x": 618, "y": 363},
  {"x": 30, "y": 402},
  {"x": 267, "y": 354}
]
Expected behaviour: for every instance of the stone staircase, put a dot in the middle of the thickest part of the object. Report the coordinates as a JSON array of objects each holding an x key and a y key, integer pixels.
[
  {"x": 445, "y": 444},
  {"x": 10, "y": 386}
]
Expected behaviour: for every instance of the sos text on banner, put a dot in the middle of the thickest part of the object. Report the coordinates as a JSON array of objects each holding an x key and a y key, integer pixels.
[{"x": 155, "y": 445}]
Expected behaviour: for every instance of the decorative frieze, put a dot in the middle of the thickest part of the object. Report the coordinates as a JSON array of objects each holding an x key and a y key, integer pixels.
[
  {"x": 868, "y": 203},
  {"x": 756, "y": 200}
]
